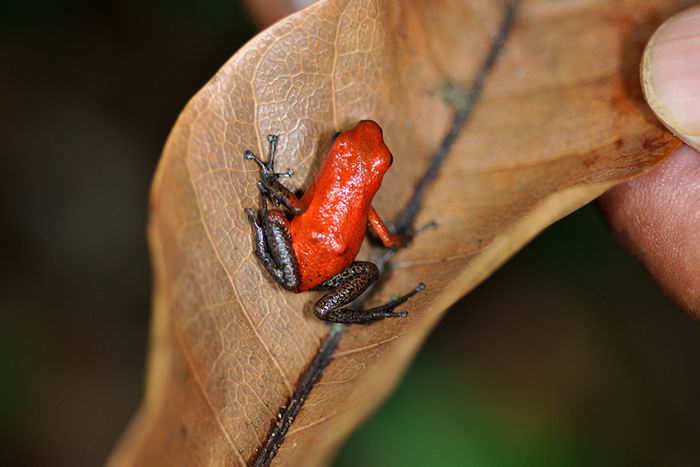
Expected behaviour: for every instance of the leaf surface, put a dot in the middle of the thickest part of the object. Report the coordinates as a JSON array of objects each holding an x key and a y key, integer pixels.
[{"x": 561, "y": 119}]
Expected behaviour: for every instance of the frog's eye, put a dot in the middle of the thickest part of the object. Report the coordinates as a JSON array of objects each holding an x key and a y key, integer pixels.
[{"x": 391, "y": 159}]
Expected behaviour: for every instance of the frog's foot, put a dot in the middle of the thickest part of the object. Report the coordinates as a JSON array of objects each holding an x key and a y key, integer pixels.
[
  {"x": 268, "y": 184},
  {"x": 349, "y": 284},
  {"x": 426, "y": 226},
  {"x": 396, "y": 301},
  {"x": 408, "y": 234},
  {"x": 267, "y": 168},
  {"x": 343, "y": 315}
]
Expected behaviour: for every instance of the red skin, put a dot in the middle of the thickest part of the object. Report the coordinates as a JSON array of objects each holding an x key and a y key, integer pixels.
[{"x": 338, "y": 206}]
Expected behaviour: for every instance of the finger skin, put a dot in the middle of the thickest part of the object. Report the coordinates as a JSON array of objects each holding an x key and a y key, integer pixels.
[{"x": 657, "y": 216}]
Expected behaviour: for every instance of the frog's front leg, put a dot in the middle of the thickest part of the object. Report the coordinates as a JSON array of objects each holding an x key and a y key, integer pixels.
[
  {"x": 268, "y": 184},
  {"x": 349, "y": 284},
  {"x": 273, "y": 245}
]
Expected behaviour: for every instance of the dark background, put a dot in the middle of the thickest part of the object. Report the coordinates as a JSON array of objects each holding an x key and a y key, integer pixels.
[{"x": 568, "y": 356}]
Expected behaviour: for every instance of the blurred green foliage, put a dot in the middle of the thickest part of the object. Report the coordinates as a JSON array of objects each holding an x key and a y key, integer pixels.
[{"x": 568, "y": 356}]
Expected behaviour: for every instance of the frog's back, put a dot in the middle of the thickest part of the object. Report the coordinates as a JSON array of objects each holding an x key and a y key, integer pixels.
[
  {"x": 328, "y": 235},
  {"x": 326, "y": 239}
]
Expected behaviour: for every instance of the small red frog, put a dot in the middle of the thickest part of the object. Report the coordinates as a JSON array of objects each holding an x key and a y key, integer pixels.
[{"x": 316, "y": 250}]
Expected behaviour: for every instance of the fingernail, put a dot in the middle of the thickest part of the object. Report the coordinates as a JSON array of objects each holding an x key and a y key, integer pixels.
[{"x": 671, "y": 75}]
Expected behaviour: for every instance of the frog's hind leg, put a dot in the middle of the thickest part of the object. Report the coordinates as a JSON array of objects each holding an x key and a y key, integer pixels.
[
  {"x": 349, "y": 284},
  {"x": 273, "y": 245}
]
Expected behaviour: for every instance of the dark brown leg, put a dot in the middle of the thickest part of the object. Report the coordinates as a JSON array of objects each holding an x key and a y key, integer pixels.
[
  {"x": 268, "y": 184},
  {"x": 273, "y": 245},
  {"x": 349, "y": 284}
]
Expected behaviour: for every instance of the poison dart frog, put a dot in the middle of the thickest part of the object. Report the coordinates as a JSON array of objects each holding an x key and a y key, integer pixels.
[{"x": 316, "y": 249}]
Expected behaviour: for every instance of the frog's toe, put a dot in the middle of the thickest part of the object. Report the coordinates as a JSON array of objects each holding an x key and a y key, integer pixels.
[
  {"x": 396, "y": 314},
  {"x": 426, "y": 226}
]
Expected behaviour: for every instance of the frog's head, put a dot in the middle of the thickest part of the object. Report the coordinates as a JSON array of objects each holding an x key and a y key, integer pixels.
[{"x": 364, "y": 147}]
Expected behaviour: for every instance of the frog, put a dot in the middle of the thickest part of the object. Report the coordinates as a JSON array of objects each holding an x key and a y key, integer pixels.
[{"x": 312, "y": 244}]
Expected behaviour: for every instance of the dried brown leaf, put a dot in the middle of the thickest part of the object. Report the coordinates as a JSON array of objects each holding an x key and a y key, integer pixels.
[{"x": 561, "y": 119}]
